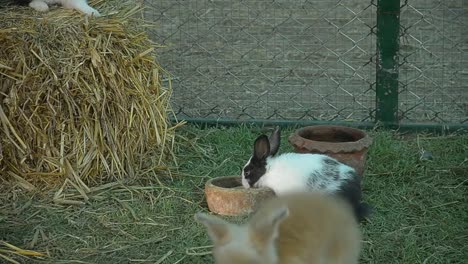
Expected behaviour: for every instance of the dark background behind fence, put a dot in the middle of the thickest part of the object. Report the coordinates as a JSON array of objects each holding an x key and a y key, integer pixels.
[{"x": 310, "y": 60}]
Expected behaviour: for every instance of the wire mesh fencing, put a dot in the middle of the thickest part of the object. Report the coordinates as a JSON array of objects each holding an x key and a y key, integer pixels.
[
  {"x": 434, "y": 61},
  {"x": 309, "y": 60}
]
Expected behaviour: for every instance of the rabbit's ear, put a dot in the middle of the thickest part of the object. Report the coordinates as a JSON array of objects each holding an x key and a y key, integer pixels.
[
  {"x": 218, "y": 229},
  {"x": 265, "y": 230},
  {"x": 275, "y": 141},
  {"x": 261, "y": 148}
]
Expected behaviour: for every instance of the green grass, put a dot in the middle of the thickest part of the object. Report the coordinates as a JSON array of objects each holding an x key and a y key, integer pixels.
[{"x": 420, "y": 207}]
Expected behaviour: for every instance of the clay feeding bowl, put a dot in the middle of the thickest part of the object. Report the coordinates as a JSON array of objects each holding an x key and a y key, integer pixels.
[
  {"x": 346, "y": 144},
  {"x": 227, "y": 196}
]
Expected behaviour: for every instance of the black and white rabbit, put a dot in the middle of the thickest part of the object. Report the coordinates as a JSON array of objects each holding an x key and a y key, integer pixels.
[
  {"x": 43, "y": 5},
  {"x": 293, "y": 172}
]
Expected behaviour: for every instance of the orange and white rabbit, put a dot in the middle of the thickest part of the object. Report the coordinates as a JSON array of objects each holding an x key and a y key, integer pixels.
[{"x": 296, "y": 228}]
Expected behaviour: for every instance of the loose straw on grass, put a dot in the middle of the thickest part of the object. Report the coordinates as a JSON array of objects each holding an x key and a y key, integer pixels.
[{"x": 9, "y": 249}]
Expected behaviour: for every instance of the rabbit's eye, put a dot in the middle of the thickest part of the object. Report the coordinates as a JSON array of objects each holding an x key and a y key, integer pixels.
[{"x": 246, "y": 173}]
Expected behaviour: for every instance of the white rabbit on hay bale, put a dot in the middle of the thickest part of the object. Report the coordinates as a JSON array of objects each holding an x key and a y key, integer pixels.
[{"x": 43, "y": 5}]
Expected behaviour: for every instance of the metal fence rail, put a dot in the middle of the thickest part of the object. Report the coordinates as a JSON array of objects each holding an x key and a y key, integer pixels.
[{"x": 313, "y": 60}]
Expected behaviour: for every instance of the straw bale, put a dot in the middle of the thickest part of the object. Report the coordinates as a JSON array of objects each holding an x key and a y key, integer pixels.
[{"x": 81, "y": 98}]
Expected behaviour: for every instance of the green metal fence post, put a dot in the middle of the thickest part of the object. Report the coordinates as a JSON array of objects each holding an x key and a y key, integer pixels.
[{"x": 388, "y": 27}]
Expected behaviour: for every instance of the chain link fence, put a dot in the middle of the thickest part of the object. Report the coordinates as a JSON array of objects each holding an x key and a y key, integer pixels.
[
  {"x": 434, "y": 61},
  {"x": 309, "y": 60}
]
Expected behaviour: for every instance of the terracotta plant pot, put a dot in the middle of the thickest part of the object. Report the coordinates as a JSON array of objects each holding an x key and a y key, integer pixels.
[
  {"x": 227, "y": 196},
  {"x": 347, "y": 145}
]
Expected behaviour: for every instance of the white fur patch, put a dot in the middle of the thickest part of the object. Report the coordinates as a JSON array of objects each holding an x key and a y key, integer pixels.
[
  {"x": 40, "y": 6},
  {"x": 80, "y": 5},
  {"x": 290, "y": 172}
]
